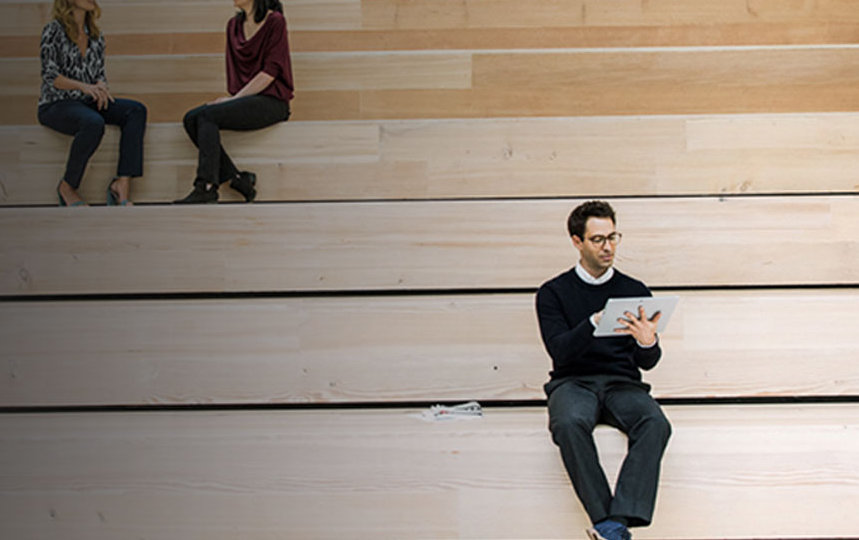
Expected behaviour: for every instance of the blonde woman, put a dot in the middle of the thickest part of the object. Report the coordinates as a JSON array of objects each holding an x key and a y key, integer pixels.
[{"x": 75, "y": 99}]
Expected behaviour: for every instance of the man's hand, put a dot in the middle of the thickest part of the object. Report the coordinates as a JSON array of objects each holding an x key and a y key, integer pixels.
[{"x": 641, "y": 328}]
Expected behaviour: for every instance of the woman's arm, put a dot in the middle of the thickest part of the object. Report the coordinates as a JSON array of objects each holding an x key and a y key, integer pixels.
[
  {"x": 98, "y": 91},
  {"x": 256, "y": 85}
]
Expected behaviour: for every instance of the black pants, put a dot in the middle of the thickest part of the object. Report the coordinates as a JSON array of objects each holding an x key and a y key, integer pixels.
[
  {"x": 576, "y": 406},
  {"x": 85, "y": 122},
  {"x": 243, "y": 114}
]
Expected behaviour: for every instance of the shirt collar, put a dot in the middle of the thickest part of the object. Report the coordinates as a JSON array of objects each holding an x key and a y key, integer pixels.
[{"x": 590, "y": 280}]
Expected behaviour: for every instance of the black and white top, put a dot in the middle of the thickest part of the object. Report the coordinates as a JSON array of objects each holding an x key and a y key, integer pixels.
[{"x": 61, "y": 56}]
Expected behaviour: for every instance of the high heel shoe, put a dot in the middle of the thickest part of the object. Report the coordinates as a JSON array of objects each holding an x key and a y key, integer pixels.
[
  {"x": 63, "y": 201},
  {"x": 113, "y": 197}
]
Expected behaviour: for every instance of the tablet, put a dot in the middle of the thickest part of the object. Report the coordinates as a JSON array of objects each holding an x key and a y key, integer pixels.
[{"x": 616, "y": 307}]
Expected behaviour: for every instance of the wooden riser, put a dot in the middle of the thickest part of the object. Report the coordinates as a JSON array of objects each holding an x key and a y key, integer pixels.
[
  {"x": 729, "y": 472},
  {"x": 419, "y": 245},
  {"x": 476, "y": 84},
  {"x": 396, "y": 349}
]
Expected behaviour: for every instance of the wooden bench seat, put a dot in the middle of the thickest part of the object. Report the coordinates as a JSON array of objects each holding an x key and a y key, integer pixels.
[
  {"x": 670, "y": 242},
  {"x": 419, "y": 159},
  {"x": 752, "y": 471},
  {"x": 400, "y": 349}
]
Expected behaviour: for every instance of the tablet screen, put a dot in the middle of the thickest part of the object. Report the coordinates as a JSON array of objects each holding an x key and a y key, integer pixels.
[{"x": 616, "y": 307}]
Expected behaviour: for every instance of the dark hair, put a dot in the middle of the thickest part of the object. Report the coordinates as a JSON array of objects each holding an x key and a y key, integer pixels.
[
  {"x": 580, "y": 214},
  {"x": 260, "y": 8}
]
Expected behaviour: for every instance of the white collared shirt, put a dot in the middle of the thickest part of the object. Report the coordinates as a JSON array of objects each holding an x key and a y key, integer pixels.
[{"x": 590, "y": 280}]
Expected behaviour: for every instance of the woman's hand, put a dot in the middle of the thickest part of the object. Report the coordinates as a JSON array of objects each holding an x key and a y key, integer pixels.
[{"x": 98, "y": 92}]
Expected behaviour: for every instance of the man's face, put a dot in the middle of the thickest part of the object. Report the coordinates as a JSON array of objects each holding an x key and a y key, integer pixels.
[{"x": 596, "y": 253}]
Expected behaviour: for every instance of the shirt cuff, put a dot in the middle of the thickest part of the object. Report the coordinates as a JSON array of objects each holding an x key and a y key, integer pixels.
[{"x": 655, "y": 341}]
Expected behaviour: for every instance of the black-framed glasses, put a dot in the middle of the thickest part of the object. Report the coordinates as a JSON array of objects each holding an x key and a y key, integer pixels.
[{"x": 600, "y": 240}]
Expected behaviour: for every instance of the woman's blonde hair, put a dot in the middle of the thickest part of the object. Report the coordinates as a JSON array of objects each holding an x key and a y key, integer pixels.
[{"x": 63, "y": 13}]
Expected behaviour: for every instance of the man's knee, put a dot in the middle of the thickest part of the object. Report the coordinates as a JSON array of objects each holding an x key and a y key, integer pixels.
[
  {"x": 656, "y": 425},
  {"x": 570, "y": 424}
]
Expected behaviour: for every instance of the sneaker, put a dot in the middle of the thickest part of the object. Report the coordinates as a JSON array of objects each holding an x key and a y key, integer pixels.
[
  {"x": 200, "y": 195},
  {"x": 608, "y": 530},
  {"x": 244, "y": 183}
]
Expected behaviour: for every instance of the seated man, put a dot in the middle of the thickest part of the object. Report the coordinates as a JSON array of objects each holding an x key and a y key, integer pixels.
[{"x": 598, "y": 379}]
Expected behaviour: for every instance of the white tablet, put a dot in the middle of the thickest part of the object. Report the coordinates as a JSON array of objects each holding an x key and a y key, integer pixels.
[{"x": 616, "y": 307}]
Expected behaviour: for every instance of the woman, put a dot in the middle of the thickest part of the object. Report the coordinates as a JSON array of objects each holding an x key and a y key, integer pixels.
[
  {"x": 75, "y": 100},
  {"x": 259, "y": 81}
]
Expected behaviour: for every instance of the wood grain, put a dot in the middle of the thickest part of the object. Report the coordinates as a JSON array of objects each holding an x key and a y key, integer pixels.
[
  {"x": 418, "y": 159},
  {"x": 501, "y": 84},
  {"x": 397, "y": 349},
  {"x": 419, "y": 245},
  {"x": 385, "y": 474}
]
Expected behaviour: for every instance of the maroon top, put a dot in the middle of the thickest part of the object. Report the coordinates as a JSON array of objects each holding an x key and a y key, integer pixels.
[{"x": 267, "y": 50}]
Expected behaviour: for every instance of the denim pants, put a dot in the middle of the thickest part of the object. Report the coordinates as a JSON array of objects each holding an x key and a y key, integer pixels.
[
  {"x": 85, "y": 122},
  {"x": 204, "y": 123},
  {"x": 576, "y": 406}
]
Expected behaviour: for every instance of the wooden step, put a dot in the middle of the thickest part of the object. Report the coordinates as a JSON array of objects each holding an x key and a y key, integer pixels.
[
  {"x": 420, "y": 159},
  {"x": 775, "y": 471},
  {"x": 399, "y": 349},
  {"x": 418, "y": 245}
]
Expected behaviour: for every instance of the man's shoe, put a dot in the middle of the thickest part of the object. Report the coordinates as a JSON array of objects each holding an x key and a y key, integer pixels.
[
  {"x": 244, "y": 183},
  {"x": 200, "y": 195},
  {"x": 594, "y": 534},
  {"x": 608, "y": 530}
]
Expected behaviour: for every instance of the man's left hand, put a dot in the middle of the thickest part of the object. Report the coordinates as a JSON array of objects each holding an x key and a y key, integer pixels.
[{"x": 641, "y": 328}]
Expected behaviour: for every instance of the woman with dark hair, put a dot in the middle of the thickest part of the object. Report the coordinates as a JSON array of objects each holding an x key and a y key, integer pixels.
[
  {"x": 76, "y": 100},
  {"x": 259, "y": 81}
]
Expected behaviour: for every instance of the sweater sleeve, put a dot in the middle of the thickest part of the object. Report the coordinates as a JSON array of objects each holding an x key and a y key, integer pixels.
[
  {"x": 647, "y": 357},
  {"x": 565, "y": 344}
]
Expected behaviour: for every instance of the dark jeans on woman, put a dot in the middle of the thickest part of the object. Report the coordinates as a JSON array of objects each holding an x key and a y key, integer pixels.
[
  {"x": 576, "y": 406},
  {"x": 204, "y": 123},
  {"x": 85, "y": 122}
]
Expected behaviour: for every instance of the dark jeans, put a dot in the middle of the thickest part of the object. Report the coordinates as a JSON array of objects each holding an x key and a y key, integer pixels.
[
  {"x": 576, "y": 406},
  {"x": 203, "y": 123},
  {"x": 86, "y": 123}
]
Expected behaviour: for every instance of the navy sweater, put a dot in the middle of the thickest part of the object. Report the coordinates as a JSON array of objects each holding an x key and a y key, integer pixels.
[{"x": 564, "y": 306}]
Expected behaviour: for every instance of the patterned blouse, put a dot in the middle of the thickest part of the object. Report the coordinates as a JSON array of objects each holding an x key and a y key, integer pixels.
[{"x": 61, "y": 56}]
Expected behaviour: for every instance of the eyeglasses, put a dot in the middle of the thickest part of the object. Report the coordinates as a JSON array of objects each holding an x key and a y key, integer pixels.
[{"x": 600, "y": 240}]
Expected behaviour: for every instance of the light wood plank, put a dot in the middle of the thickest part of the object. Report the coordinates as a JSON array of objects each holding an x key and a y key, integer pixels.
[
  {"x": 395, "y": 349},
  {"x": 385, "y": 474},
  {"x": 23, "y": 17},
  {"x": 601, "y": 156},
  {"x": 477, "y": 84},
  {"x": 421, "y": 14},
  {"x": 795, "y": 33},
  {"x": 411, "y": 245},
  {"x": 316, "y": 71}
]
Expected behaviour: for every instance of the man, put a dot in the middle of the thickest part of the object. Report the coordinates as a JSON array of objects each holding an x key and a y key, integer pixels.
[{"x": 598, "y": 379}]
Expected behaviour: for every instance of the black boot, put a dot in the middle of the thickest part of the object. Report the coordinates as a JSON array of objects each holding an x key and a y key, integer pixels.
[
  {"x": 244, "y": 183},
  {"x": 203, "y": 193}
]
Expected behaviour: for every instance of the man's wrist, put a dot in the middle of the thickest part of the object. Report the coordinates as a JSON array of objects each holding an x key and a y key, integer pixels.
[{"x": 648, "y": 346}]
